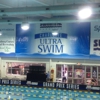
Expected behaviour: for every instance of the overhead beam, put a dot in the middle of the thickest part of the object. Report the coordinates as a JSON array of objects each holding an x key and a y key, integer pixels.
[
  {"x": 45, "y": 10},
  {"x": 51, "y": 20},
  {"x": 44, "y": 4}
]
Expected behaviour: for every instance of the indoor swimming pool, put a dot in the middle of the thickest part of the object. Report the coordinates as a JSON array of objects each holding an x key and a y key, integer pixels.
[{"x": 8, "y": 92}]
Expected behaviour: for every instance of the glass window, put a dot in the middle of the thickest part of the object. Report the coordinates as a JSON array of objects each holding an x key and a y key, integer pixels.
[
  {"x": 20, "y": 68},
  {"x": 58, "y": 73},
  {"x": 70, "y": 81},
  {"x": 79, "y": 74},
  {"x": 88, "y": 71},
  {"x": 70, "y": 72},
  {"x": 79, "y": 71}
]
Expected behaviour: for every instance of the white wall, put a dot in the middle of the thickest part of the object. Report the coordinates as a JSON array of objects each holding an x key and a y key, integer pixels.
[
  {"x": 50, "y": 63},
  {"x": 76, "y": 61}
]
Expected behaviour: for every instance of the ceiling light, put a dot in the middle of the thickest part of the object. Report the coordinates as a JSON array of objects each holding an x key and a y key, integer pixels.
[
  {"x": 85, "y": 13},
  {"x": 54, "y": 33},
  {"x": 25, "y": 26},
  {"x": 0, "y": 33}
]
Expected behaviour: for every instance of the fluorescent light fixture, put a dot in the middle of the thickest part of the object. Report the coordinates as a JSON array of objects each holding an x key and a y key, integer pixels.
[
  {"x": 85, "y": 13},
  {"x": 54, "y": 33},
  {"x": 25, "y": 26},
  {"x": 0, "y": 33}
]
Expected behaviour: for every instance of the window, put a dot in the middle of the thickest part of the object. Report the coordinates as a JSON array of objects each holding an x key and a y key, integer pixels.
[
  {"x": 79, "y": 71},
  {"x": 20, "y": 68},
  {"x": 70, "y": 71},
  {"x": 88, "y": 72},
  {"x": 58, "y": 73},
  {"x": 61, "y": 70},
  {"x": 79, "y": 74},
  {"x": 94, "y": 72},
  {"x": 63, "y": 73}
]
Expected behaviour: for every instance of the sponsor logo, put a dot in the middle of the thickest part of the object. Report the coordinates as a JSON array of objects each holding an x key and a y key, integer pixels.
[
  {"x": 50, "y": 25},
  {"x": 34, "y": 83},
  {"x": 88, "y": 87},
  {"x": 28, "y": 82},
  {"x": 31, "y": 83},
  {"x": 93, "y": 87}
]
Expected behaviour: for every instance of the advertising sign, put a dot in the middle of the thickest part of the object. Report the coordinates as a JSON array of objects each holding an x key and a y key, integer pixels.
[
  {"x": 95, "y": 39},
  {"x": 72, "y": 40},
  {"x": 7, "y": 39},
  {"x": 50, "y": 85}
]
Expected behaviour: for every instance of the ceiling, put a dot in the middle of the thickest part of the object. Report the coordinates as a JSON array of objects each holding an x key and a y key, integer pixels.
[{"x": 40, "y": 11}]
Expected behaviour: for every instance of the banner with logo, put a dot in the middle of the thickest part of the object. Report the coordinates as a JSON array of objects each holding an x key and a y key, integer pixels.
[
  {"x": 95, "y": 40},
  {"x": 7, "y": 39},
  {"x": 50, "y": 85},
  {"x": 72, "y": 41}
]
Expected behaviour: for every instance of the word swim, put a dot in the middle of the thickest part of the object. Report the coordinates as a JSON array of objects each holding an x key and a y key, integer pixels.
[{"x": 50, "y": 46}]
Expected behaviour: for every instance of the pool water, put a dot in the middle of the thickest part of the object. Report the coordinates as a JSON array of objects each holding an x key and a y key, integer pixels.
[{"x": 8, "y": 92}]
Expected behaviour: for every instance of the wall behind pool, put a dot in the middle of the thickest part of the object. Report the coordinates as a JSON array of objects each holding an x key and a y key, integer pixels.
[
  {"x": 76, "y": 42},
  {"x": 50, "y": 64}
]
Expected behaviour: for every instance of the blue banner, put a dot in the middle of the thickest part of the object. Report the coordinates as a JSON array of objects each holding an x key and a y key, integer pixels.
[
  {"x": 50, "y": 85},
  {"x": 72, "y": 41}
]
